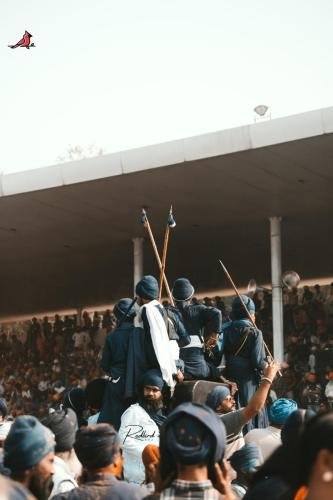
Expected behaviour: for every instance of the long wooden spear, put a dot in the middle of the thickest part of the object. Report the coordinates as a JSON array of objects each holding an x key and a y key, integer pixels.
[
  {"x": 146, "y": 225},
  {"x": 171, "y": 223},
  {"x": 245, "y": 308}
]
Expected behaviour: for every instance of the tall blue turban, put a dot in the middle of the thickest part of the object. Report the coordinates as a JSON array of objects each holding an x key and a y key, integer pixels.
[
  {"x": 182, "y": 289},
  {"x": 193, "y": 434},
  {"x": 27, "y": 443},
  {"x": 147, "y": 288},
  {"x": 122, "y": 307},
  {"x": 246, "y": 459},
  {"x": 280, "y": 410},
  {"x": 216, "y": 396},
  {"x": 238, "y": 311}
]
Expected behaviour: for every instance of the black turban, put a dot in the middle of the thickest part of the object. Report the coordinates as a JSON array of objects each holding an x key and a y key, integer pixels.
[
  {"x": 63, "y": 424},
  {"x": 96, "y": 446},
  {"x": 124, "y": 306},
  {"x": 95, "y": 393},
  {"x": 147, "y": 288},
  {"x": 193, "y": 434},
  {"x": 76, "y": 399},
  {"x": 182, "y": 289}
]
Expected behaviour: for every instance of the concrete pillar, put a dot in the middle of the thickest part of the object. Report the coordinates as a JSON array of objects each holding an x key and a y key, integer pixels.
[
  {"x": 277, "y": 304},
  {"x": 137, "y": 259}
]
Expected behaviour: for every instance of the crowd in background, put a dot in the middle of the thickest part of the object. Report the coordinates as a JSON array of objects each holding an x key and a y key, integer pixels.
[{"x": 43, "y": 357}]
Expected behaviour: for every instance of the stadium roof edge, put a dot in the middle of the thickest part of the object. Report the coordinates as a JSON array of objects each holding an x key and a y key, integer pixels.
[{"x": 223, "y": 142}]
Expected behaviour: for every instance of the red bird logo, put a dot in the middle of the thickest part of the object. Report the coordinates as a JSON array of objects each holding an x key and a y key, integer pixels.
[{"x": 24, "y": 42}]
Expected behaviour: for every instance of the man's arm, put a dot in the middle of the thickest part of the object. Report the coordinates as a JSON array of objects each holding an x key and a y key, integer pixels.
[
  {"x": 258, "y": 399},
  {"x": 105, "y": 363}
]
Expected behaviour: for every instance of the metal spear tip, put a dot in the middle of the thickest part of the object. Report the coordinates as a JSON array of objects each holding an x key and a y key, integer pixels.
[
  {"x": 143, "y": 218},
  {"x": 171, "y": 221}
]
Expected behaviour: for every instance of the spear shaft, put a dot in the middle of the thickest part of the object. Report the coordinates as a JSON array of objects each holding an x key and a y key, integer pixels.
[
  {"x": 152, "y": 240},
  {"x": 164, "y": 256}
]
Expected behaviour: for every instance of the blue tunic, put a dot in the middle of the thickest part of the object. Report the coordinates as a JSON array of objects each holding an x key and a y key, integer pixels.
[
  {"x": 245, "y": 368},
  {"x": 199, "y": 321},
  {"x": 114, "y": 363}
]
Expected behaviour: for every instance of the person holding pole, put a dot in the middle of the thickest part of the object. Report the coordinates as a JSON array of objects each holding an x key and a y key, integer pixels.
[{"x": 244, "y": 351}]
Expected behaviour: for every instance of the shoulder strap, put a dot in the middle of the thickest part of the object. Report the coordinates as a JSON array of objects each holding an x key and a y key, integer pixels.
[{"x": 243, "y": 341}]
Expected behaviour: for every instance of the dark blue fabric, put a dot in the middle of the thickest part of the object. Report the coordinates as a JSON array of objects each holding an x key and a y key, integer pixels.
[
  {"x": 246, "y": 368},
  {"x": 238, "y": 310},
  {"x": 246, "y": 459},
  {"x": 193, "y": 434},
  {"x": 293, "y": 425},
  {"x": 27, "y": 443},
  {"x": 195, "y": 365},
  {"x": 114, "y": 363},
  {"x": 122, "y": 308},
  {"x": 182, "y": 289},
  {"x": 216, "y": 396},
  {"x": 175, "y": 316},
  {"x": 114, "y": 403},
  {"x": 115, "y": 350},
  {"x": 199, "y": 320},
  {"x": 147, "y": 288},
  {"x": 153, "y": 378},
  {"x": 137, "y": 362}
]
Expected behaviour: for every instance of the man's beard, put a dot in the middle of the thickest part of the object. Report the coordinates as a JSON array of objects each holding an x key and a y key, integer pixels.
[
  {"x": 152, "y": 405},
  {"x": 40, "y": 487}
]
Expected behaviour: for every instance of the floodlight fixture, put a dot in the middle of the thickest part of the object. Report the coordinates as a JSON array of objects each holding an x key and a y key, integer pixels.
[{"x": 261, "y": 109}]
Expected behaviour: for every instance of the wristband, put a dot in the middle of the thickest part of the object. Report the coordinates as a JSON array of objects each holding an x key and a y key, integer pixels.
[{"x": 267, "y": 379}]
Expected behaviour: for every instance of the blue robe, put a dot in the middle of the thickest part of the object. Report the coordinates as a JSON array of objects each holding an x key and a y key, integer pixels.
[
  {"x": 199, "y": 321},
  {"x": 114, "y": 363},
  {"x": 246, "y": 367}
]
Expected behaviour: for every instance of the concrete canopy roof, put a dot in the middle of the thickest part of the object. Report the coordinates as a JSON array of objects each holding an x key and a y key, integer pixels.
[{"x": 65, "y": 230}]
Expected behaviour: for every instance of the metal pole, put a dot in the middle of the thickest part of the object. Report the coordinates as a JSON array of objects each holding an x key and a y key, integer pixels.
[
  {"x": 277, "y": 304},
  {"x": 137, "y": 260}
]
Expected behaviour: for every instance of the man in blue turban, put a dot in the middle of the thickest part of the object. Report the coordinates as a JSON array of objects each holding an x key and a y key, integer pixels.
[
  {"x": 192, "y": 447},
  {"x": 114, "y": 363},
  {"x": 161, "y": 351},
  {"x": 201, "y": 323},
  {"x": 223, "y": 403},
  {"x": 29, "y": 454},
  {"x": 245, "y": 462},
  {"x": 270, "y": 438},
  {"x": 140, "y": 424},
  {"x": 244, "y": 351}
]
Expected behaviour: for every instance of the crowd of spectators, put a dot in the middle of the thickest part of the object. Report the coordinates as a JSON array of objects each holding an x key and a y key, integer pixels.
[
  {"x": 43, "y": 357},
  {"x": 50, "y": 370}
]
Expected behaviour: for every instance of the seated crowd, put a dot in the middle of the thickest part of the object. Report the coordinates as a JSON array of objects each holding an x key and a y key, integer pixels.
[{"x": 109, "y": 409}]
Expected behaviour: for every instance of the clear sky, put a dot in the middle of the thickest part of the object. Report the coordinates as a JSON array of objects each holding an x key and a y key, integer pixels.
[{"x": 127, "y": 73}]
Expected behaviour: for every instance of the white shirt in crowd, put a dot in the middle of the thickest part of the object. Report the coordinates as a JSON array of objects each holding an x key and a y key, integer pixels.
[
  {"x": 62, "y": 478},
  {"x": 81, "y": 339},
  {"x": 267, "y": 440},
  {"x": 329, "y": 390},
  {"x": 137, "y": 430}
]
